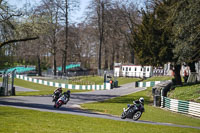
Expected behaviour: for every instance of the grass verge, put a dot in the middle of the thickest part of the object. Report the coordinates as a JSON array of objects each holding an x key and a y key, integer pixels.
[
  {"x": 115, "y": 106},
  {"x": 15, "y": 120},
  {"x": 158, "y": 78},
  {"x": 88, "y": 80},
  {"x": 46, "y": 90},
  {"x": 42, "y": 89},
  {"x": 187, "y": 92},
  {"x": 124, "y": 80}
]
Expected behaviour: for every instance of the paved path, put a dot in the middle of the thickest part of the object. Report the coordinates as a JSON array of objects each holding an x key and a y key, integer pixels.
[
  {"x": 43, "y": 103},
  {"x": 77, "y": 98}
]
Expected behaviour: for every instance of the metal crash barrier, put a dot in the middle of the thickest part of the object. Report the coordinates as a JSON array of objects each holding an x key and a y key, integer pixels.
[{"x": 161, "y": 100}]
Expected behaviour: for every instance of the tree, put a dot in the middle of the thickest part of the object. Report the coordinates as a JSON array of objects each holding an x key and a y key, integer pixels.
[
  {"x": 152, "y": 43},
  {"x": 9, "y": 33},
  {"x": 127, "y": 19},
  {"x": 151, "y": 40},
  {"x": 186, "y": 22},
  {"x": 51, "y": 11},
  {"x": 65, "y": 7},
  {"x": 88, "y": 48},
  {"x": 97, "y": 15}
]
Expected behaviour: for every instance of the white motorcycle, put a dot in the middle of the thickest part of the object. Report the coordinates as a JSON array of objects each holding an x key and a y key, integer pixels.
[{"x": 62, "y": 100}]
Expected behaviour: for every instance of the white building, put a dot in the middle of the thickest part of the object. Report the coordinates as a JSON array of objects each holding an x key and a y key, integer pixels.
[{"x": 133, "y": 71}]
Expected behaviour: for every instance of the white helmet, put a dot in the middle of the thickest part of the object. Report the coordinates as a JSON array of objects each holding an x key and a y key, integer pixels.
[{"x": 141, "y": 99}]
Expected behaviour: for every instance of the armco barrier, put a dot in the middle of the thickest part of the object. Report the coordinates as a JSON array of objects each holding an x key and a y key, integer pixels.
[
  {"x": 181, "y": 106},
  {"x": 147, "y": 84},
  {"x": 105, "y": 86}
]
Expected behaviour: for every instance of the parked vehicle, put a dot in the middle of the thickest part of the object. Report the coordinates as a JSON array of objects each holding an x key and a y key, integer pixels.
[
  {"x": 62, "y": 100},
  {"x": 133, "y": 111}
]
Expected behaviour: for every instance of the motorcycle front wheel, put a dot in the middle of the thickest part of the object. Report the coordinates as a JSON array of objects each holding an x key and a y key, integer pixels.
[
  {"x": 137, "y": 115},
  {"x": 123, "y": 116}
]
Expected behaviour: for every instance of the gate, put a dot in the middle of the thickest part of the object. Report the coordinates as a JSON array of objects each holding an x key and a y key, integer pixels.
[{"x": 7, "y": 88}]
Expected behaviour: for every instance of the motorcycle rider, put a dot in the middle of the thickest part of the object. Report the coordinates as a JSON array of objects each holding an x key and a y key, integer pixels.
[
  {"x": 67, "y": 94},
  {"x": 140, "y": 101},
  {"x": 135, "y": 110},
  {"x": 57, "y": 93},
  {"x": 64, "y": 98}
]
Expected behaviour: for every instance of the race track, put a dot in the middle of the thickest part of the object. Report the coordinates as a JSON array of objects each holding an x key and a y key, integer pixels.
[{"x": 44, "y": 103}]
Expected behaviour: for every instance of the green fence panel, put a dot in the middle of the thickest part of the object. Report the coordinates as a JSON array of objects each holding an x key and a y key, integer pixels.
[
  {"x": 143, "y": 84},
  {"x": 183, "y": 106}
]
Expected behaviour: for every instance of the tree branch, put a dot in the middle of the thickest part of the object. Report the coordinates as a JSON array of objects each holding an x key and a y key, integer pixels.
[{"x": 17, "y": 40}]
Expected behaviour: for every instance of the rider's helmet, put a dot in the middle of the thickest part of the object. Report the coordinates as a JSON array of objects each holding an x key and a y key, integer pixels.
[
  {"x": 68, "y": 92},
  {"x": 141, "y": 100},
  {"x": 60, "y": 89}
]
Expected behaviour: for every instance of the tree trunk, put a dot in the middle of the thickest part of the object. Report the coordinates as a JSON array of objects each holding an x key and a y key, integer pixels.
[
  {"x": 39, "y": 66},
  {"x": 112, "y": 59},
  {"x": 177, "y": 75},
  {"x": 106, "y": 58},
  {"x": 99, "y": 58},
  {"x": 54, "y": 64},
  {"x": 117, "y": 53},
  {"x": 192, "y": 66},
  {"x": 66, "y": 38},
  {"x": 64, "y": 60},
  {"x": 132, "y": 56},
  {"x": 101, "y": 20}
]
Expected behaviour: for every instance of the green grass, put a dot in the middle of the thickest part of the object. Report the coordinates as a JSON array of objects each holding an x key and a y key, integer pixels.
[
  {"x": 79, "y": 80},
  {"x": 158, "y": 78},
  {"x": 88, "y": 80},
  {"x": 46, "y": 90},
  {"x": 13, "y": 120},
  {"x": 42, "y": 89},
  {"x": 115, "y": 106},
  {"x": 188, "y": 93},
  {"x": 124, "y": 80}
]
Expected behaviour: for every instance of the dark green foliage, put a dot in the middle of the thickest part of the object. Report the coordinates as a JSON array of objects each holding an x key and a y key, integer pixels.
[
  {"x": 151, "y": 39},
  {"x": 186, "y": 29},
  {"x": 169, "y": 32}
]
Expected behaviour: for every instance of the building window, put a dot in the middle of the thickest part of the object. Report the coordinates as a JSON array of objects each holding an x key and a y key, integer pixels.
[
  {"x": 147, "y": 69},
  {"x": 126, "y": 68},
  {"x": 123, "y": 68},
  {"x": 141, "y": 69},
  {"x": 135, "y": 68},
  {"x": 129, "y": 68}
]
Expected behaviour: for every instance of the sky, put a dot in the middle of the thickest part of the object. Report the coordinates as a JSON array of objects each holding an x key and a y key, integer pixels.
[{"x": 76, "y": 17}]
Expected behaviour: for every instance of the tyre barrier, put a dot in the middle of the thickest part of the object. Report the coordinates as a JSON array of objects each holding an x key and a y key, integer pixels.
[{"x": 180, "y": 106}]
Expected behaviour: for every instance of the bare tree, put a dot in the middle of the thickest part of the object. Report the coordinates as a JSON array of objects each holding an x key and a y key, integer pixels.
[
  {"x": 97, "y": 16},
  {"x": 51, "y": 10},
  {"x": 65, "y": 8},
  {"x": 8, "y": 27},
  {"x": 130, "y": 17}
]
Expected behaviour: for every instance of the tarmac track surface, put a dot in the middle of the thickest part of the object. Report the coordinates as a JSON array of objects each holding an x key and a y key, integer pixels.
[{"x": 44, "y": 103}]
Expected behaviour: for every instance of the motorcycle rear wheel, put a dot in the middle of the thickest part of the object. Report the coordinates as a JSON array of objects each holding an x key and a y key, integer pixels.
[{"x": 137, "y": 115}]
